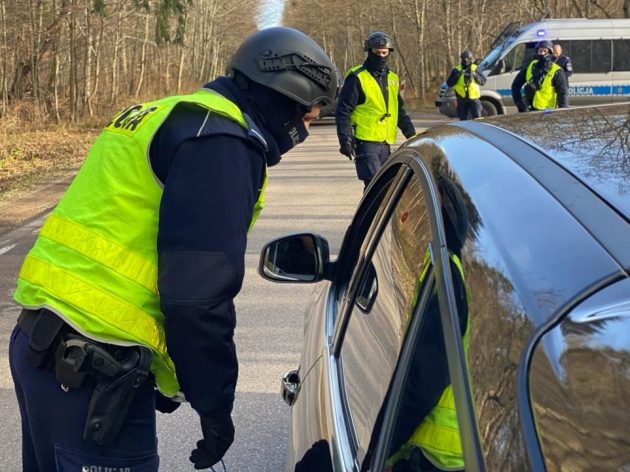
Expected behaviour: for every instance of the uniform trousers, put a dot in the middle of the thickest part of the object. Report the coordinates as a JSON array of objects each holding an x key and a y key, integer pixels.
[
  {"x": 53, "y": 422},
  {"x": 370, "y": 158}
]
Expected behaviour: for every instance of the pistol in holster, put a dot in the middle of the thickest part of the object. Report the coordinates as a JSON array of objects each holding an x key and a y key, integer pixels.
[{"x": 117, "y": 372}]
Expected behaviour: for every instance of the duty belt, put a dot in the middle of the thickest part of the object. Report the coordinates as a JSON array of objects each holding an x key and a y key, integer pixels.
[{"x": 117, "y": 371}]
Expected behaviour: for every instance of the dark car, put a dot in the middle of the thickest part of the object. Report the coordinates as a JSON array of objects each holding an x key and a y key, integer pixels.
[{"x": 478, "y": 314}]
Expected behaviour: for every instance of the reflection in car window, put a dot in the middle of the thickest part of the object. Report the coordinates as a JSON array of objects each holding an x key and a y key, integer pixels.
[{"x": 375, "y": 331}]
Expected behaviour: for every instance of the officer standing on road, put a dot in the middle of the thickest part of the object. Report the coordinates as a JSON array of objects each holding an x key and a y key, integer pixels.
[
  {"x": 465, "y": 81},
  {"x": 370, "y": 109},
  {"x": 131, "y": 281},
  {"x": 543, "y": 82}
]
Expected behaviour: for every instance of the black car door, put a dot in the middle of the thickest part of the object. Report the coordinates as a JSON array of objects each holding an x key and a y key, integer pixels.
[{"x": 390, "y": 265}]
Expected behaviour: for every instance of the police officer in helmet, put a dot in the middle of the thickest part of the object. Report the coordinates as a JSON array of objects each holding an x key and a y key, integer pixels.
[
  {"x": 128, "y": 292},
  {"x": 465, "y": 81},
  {"x": 370, "y": 109},
  {"x": 542, "y": 84}
]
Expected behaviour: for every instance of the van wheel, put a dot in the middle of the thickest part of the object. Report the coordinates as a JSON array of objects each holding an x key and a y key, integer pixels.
[{"x": 488, "y": 108}]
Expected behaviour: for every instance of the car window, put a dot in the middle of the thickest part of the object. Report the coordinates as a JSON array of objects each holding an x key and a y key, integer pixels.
[
  {"x": 425, "y": 429},
  {"x": 368, "y": 212},
  {"x": 378, "y": 319}
]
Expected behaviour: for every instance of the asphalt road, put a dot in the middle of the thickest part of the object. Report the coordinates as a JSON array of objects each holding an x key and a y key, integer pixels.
[{"x": 313, "y": 189}]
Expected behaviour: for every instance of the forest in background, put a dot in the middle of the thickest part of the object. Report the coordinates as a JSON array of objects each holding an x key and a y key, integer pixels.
[{"x": 78, "y": 61}]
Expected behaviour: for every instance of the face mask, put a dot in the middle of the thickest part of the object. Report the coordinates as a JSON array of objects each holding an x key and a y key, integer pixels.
[
  {"x": 290, "y": 134},
  {"x": 281, "y": 118},
  {"x": 465, "y": 62},
  {"x": 375, "y": 62}
]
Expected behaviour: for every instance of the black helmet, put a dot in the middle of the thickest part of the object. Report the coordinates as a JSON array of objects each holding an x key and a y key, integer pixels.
[
  {"x": 466, "y": 54},
  {"x": 289, "y": 62},
  {"x": 378, "y": 40},
  {"x": 545, "y": 43}
]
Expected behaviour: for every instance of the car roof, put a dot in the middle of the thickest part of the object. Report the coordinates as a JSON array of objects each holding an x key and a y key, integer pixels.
[
  {"x": 593, "y": 143},
  {"x": 557, "y": 229},
  {"x": 588, "y": 168}
]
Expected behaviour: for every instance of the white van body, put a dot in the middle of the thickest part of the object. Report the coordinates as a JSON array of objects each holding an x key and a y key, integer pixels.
[{"x": 598, "y": 49}]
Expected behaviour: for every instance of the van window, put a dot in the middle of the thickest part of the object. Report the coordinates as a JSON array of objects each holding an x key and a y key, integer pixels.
[
  {"x": 621, "y": 55},
  {"x": 589, "y": 56},
  {"x": 519, "y": 56}
]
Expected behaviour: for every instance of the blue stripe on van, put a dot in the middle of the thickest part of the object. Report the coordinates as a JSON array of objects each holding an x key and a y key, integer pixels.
[{"x": 585, "y": 90}]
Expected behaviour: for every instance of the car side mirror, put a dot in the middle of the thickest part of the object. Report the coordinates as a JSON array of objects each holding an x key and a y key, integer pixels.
[{"x": 297, "y": 258}]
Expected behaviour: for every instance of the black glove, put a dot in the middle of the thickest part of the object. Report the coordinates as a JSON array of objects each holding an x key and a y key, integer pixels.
[
  {"x": 347, "y": 149},
  {"x": 410, "y": 134},
  {"x": 163, "y": 404},
  {"x": 218, "y": 435}
]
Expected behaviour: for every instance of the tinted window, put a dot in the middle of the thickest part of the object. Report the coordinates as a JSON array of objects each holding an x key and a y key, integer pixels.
[
  {"x": 426, "y": 404},
  {"x": 588, "y": 56},
  {"x": 376, "y": 328},
  {"x": 621, "y": 55}
]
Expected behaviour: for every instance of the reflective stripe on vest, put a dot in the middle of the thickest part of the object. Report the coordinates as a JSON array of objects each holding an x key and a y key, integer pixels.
[
  {"x": 371, "y": 120},
  {"x": 467, "y": 90},
  {"x": 545, "y": 98},
  {"x": 95, "y": 260}
]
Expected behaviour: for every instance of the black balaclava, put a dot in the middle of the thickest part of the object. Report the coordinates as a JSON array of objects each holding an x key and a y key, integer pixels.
[
  {"x": 281, "y": 120},
  {"x": 466, "y": 61},
  {"x": 375, "y": 63},
  {"x": 543, "y": 57}
]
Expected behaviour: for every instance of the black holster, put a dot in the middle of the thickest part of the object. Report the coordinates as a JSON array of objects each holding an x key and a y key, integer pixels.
[{"x": 118, "y": 371}]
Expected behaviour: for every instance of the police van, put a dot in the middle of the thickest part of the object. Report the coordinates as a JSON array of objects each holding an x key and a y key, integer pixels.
[{"x": 598, "y": 49}]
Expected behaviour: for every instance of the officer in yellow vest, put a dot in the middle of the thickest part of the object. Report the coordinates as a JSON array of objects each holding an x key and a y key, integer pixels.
[
  {"x": 370, "y": 109},
  {"x": 542, "y": 84},
  {"x": 465, "y": 81},
  {"x": 131, "y": 281},
  {"x": 426, "y": 436}
]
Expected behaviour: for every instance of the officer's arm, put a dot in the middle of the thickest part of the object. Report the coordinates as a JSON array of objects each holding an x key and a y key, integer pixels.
[
  {"x": 568, "y": 67},
  {"x": 404, "y": 121},
  {"x": 559, "y": 82},
  {"x": 479, "y": 77},
  {"x": 452, "y": 78},
  {"x": 204, "y": 216},
  {"x": 349, "y": 98}
]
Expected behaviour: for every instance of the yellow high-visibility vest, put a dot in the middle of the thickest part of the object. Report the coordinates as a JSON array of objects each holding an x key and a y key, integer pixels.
[
  {"x": 95, "y": 261},
  {"x": 545, "y": 98},
  {"x": 472, "y": 87},
  {"x": 372, "y": 121}
]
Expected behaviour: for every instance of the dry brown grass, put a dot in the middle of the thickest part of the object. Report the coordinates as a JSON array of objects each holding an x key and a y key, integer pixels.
[{"x": 32, "y": 154}]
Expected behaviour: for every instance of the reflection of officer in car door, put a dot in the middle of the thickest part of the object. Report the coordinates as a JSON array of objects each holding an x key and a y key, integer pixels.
[
  {"x": 370, "y": 109},
  {"x": 426, "y": 437}
]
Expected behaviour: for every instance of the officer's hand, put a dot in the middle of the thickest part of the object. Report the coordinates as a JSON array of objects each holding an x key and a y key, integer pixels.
[
  {"x": 163, "y": 404},
  {"x": 347, "y": 150},
  {"x": 218, "y": 435}
]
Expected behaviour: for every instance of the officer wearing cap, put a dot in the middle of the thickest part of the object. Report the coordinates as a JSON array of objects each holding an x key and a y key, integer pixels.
[
  {"x": 128, "y": 292},
  {"x": 465, "y": 81},
  {"x": 542, "y": 85},
  {"x": 370, "y": 109}
]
